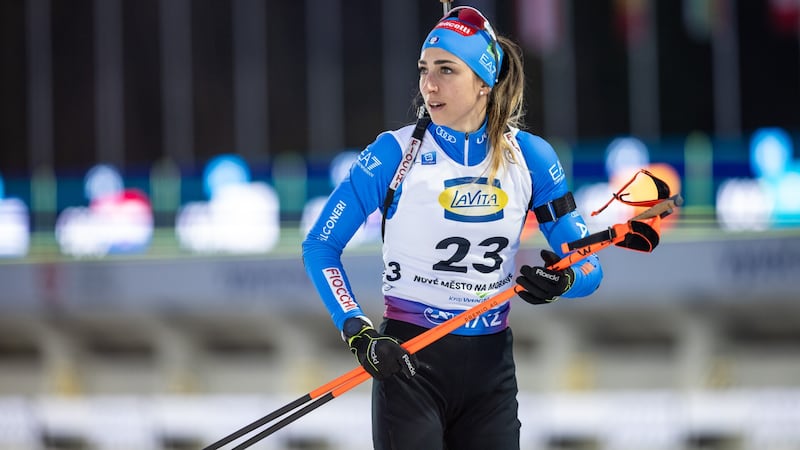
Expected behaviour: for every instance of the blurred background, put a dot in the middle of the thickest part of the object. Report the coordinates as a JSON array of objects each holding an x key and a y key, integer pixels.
[{"x": 161, "y": 160}]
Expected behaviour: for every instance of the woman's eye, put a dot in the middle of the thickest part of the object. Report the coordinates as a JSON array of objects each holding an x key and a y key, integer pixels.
[
  {"x": 422, "y": 70},
  {"x": 446, "y": 70}
]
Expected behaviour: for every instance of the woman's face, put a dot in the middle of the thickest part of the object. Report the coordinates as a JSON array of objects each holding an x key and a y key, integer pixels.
[{"x": 454, "y": 96}]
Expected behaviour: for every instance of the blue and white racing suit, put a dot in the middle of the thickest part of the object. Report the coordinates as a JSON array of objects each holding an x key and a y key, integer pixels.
[{"x": 451, "y": 237}]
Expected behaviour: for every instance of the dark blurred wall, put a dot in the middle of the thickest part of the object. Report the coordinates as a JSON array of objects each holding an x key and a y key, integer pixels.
[
  {"x": 13, "y": 87},
  {"x": 768, "y": 62}
]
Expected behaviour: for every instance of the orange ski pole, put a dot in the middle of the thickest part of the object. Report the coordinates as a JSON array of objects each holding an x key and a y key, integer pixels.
[{"x": 338, "y": 386}]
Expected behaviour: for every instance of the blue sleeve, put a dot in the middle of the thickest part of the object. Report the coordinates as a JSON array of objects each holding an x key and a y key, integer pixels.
[
  {"x": 549, "y": 183},
  {"x": 346, "y": 209}
]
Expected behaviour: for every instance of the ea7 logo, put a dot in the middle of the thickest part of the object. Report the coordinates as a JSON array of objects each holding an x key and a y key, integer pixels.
[
  {"x": 556, "y": 172},
  {"x": 487, "y": 61},
  {"x": 367, "y": 161}
]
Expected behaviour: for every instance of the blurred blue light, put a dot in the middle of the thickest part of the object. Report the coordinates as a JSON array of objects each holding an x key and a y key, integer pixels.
[
  {"x": 770, "y": 152},
  {"x": 626, "y": 155},
  {"x": 101, "y": 181},
  {"x": 224, "y": 170}
]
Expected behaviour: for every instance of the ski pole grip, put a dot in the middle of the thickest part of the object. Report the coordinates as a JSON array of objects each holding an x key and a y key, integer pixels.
[{"x": 664, "y": 208}]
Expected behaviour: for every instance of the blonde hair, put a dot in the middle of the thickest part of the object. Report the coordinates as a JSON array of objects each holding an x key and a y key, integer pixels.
[{"x": 505, "y": 106}]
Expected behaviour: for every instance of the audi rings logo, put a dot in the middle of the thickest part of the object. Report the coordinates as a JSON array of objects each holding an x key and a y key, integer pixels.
[{"x": 445, "y": 135}]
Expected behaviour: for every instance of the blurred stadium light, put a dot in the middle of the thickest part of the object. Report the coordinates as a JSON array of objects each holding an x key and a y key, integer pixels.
[{"x": 14, "y": 225}]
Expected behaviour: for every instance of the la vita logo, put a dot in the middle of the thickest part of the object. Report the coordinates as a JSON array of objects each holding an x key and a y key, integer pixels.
[{"x": 468, "y": 199}]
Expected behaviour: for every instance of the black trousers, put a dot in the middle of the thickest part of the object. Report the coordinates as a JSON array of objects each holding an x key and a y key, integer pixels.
[{"x": 463, "y": 397}]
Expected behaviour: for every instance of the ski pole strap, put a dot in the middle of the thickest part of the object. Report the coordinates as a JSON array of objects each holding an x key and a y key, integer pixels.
[
  {"x": 607, "y": 235},
  {"x": 554, "y": 209},
  {"x": 634, "y": 234},
  {"x": 409, "y": 156}
]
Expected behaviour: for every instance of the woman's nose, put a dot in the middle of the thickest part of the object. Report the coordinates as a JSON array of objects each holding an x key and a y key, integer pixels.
[{"x": 428, "y": 84}]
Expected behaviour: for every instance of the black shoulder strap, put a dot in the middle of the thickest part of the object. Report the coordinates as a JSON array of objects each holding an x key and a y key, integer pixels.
[{"x": 406, "y": 162}]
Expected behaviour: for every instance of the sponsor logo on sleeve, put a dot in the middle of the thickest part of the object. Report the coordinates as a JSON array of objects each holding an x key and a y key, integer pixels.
[
  {"x": 556, "y": 172},
  {"x": 333, "y": 219},
  {"x": 367, "y": 161},
  {"x": 584, "y": 230},
  {"x": 339, "y": 289}
]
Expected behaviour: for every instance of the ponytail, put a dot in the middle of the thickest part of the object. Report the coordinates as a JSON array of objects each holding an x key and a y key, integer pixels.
[{"x": 506, "y": 105}]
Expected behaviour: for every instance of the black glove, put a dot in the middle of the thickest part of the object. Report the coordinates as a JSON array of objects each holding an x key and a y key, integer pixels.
[
  {"x": 543, "y": 285},
  {"x": 381, "y": 356}
]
